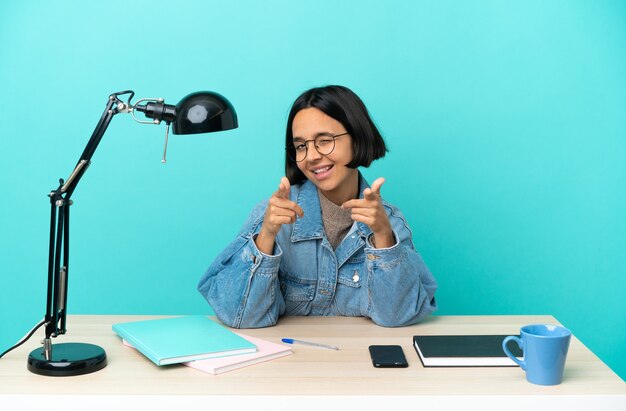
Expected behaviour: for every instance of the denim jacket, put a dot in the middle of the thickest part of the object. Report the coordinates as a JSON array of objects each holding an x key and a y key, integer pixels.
[{"x": 248, "y": 289}]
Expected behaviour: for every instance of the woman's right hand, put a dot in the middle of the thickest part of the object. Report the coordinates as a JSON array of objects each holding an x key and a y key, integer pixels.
[{"x": 280, "y": 210}]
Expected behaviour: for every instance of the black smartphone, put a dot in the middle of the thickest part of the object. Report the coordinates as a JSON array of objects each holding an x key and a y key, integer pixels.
[{"x": 388, "y": 356}]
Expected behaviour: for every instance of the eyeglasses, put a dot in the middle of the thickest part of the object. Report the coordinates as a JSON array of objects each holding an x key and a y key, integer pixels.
[{"x": 323, "y": 143}]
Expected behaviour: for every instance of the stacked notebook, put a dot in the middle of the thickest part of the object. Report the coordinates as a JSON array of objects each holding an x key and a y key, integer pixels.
[
  {"x": 464, "y": 351},
  {"x": 198, "y": 342}
]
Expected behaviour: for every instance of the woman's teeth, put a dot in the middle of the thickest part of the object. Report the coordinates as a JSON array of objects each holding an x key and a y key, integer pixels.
[{"x": 321, "y": 170}]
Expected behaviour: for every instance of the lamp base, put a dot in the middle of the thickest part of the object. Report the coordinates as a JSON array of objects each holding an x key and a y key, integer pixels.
[{"x": 68, "y": 359}]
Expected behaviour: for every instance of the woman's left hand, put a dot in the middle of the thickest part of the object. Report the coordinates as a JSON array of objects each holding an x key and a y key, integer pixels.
[{"x": 369, "y": 210}]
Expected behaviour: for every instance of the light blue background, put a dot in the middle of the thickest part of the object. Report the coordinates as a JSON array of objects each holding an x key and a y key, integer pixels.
[{"x": 506, "y": 122}]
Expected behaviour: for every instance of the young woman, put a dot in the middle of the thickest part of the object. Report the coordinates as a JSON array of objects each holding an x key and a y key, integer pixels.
[{"x": 325, "y": 243}]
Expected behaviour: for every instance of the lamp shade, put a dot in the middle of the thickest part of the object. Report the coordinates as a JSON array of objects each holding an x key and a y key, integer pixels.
[{"x": 204, "y": 112}]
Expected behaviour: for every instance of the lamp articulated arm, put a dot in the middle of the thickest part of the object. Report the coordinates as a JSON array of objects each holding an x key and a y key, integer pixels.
[{"x": 58, "y": 257}]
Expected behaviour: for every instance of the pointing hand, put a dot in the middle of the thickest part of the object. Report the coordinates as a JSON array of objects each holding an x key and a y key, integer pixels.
[{"x": 369, "y": 210}]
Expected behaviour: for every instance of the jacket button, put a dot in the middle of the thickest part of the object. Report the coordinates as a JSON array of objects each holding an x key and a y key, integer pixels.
[{"x": 355, "y": 277}]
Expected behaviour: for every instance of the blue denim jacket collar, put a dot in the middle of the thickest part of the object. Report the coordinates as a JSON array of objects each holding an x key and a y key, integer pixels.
[{"x": 311, "y": 225}]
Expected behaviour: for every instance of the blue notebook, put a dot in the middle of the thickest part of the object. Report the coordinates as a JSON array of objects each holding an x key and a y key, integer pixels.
[{"x": 182, "y": 339}]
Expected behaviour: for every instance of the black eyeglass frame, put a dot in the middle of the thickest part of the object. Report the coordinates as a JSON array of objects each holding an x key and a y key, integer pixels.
[{"x": 291, "y": 149}]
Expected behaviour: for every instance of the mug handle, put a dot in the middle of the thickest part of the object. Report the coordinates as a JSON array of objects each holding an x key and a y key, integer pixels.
[{"x": 520, "y": 344}]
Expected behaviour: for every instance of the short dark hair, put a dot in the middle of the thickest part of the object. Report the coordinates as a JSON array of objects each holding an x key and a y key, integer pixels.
[{"x": 345, "y": 106}]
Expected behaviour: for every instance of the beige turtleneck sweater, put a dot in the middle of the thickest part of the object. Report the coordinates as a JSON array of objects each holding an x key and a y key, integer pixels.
[{"x": 337, "y": 220}]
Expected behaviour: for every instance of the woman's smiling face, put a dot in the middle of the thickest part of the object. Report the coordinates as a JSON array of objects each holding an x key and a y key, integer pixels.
[{"x": 328, "y": 172}]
